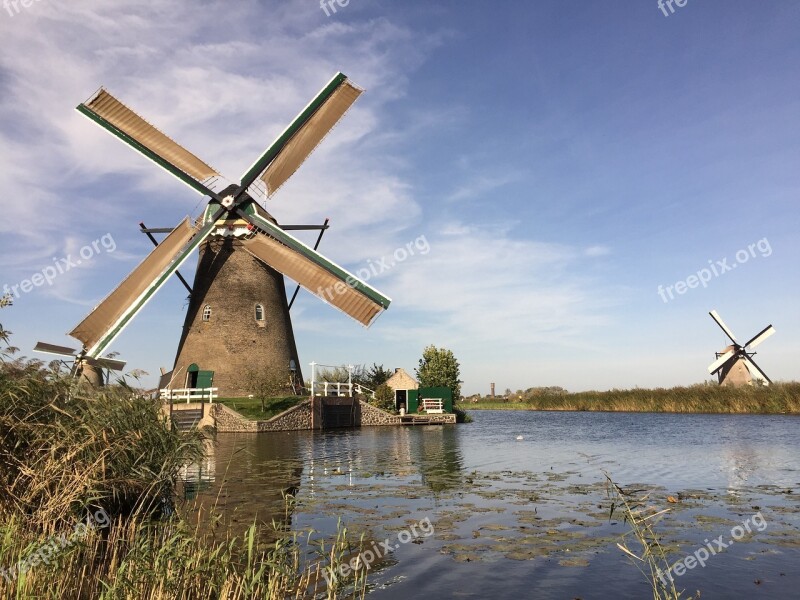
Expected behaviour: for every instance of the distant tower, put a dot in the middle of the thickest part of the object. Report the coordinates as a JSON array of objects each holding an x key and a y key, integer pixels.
[
  {"x": 238, "y": 320},
  {"x": 492, "y": 390}
]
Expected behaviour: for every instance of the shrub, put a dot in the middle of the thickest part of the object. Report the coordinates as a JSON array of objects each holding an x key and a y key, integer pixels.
[{"x": 384, "y": 398}]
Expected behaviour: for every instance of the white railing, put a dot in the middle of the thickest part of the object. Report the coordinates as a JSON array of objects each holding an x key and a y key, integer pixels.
[
  {"x": 335, "y": 388},
  {"x": 189, "y": 394},
  {"x": 364, "y": 390},
  {"x": 433, "y": 405},
  {"x": 332, "y": 388}
]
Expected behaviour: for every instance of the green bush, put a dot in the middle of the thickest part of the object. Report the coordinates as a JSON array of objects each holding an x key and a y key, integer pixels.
[{"x": 384, "y": 398}]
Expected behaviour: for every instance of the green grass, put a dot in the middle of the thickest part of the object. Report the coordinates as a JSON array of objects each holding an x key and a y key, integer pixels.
[
  {"x": 253, "y": 409},
  {"x": 780, "y": 398}
]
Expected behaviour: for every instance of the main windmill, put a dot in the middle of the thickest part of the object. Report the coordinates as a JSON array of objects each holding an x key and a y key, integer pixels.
[
  {"x": 735, "y": 364},
  {"x": 237, "y": 323}
]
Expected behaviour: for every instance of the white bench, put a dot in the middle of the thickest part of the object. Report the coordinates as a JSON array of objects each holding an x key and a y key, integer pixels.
[{"x": 433, "y": 406}]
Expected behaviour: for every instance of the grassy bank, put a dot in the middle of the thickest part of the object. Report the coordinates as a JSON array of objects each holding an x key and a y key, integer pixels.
[
  {"x": 258, "y": 410},
  {"x": 88, "y": 506},
  {"x": 781, "y": 398}
]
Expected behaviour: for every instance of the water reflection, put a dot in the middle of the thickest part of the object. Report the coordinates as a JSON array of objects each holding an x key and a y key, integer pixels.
[
  {"x": 198, "y": 476},
  {"x": 438, "y": 457},
  {"x": 246, "y": 478},
  {"x": 525, "y": 517}
]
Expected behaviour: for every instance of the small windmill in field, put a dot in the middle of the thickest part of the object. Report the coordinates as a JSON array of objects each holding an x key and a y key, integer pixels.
[
  {"x": 237, "y": 323},
  {"x": 83, "y": 367},
  {"x": 735, "y": 364}
]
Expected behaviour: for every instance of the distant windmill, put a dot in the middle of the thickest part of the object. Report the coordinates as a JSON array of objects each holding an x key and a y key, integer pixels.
[
  {"x": 237, "y": 323},
  {"x": 735, "y": 364},
  {"x": 83, "y": 367}
]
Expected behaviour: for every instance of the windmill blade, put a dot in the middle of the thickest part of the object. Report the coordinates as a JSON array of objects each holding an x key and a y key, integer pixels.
[
  {"x": 762, "y": 335},
  {"x": 314, "y": 272},
  {"x": 755, "y": 370},
  {"x": 148, "y": 233},
  {"x": 299, "y": 139},
  {"x": 107, "y": 363},
  {"x": 112, "y": 315},
  {"x": 46, "y": 348},
  {"x": 717, "y": 364},
  {"x": 316, "y": 246},
  {"x": 722, "y": 325},
  {"x": 116, "y": 118}
]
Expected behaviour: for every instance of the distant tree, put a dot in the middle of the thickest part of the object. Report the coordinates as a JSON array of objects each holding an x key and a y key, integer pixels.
[
  {"x": 371, "y": 377},
  {"x": 376, "y": 375},
  {"x": 334, "y": 375},
  {"x": 438, "y": 367},
  {"x": 268, "y": 383}
]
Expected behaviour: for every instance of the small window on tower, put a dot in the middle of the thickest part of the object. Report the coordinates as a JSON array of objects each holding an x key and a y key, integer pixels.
[
  {"x": 259, "y": 312},
  {"x": 207, "y": 312}
]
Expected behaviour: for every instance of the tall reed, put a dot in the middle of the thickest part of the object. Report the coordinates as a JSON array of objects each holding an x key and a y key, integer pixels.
[
  {"x": 69, "y": 454},
  {"x": 642, "y": 543}
]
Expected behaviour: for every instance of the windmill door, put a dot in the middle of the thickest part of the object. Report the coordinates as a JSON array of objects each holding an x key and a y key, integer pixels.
[
  {"x": 195, "y": 378},
  {"x": 205, "y": 379}
]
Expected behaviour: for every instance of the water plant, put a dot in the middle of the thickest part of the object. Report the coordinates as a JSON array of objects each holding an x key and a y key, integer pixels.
[{"x": 642, "y": 543}]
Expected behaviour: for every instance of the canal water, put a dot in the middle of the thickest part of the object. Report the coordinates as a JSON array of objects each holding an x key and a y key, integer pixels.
[{"x": 516, "y": 504}]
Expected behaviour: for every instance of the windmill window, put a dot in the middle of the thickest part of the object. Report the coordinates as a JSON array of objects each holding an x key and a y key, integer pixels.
[
  {"x": 259, "y": 312},
  {"x": 207, "y": 312}
]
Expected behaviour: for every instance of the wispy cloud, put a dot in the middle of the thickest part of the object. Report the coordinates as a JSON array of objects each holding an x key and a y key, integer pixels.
[{"x": 480, "y": 186}]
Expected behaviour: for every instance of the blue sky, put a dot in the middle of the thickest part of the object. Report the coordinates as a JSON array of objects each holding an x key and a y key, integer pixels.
[{"x": 562, "y": 160}]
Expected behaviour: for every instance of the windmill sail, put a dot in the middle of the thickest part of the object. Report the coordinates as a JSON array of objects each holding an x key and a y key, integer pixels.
[
  {"x": 755, "y": 371},
  {"x": 323, "y": 278},
  {"x": 718, "y": 321},
  {"x": 111, "y": 114},
  {"x": 299, "y": 140},
  {"x": 718, "y": 364},
  {"x": 762, "y": 335},
  {"x": 111, "y": 316}
]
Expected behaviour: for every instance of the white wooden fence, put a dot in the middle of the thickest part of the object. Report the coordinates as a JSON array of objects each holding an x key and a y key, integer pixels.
[{"x": 189, "y": 395}]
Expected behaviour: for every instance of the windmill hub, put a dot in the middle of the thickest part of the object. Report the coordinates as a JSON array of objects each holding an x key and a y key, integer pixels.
[{"x": 227, "y": 201}]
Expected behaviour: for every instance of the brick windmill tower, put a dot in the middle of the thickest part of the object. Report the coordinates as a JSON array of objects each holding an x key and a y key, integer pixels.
[{"x": 238, "y": 322}]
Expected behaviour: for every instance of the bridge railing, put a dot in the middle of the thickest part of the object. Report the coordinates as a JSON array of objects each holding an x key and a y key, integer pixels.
[
  {"x": 331, "y": 388},
  {"x": 189, "y": 395}
]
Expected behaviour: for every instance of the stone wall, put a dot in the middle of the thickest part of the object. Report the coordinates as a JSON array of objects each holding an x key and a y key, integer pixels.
[
  {"x": 229, "y": 421},
  {"x": 445, "y": 418},
  {"x": 370, "y": 415},
  {"x": 299, "y": 417}
]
